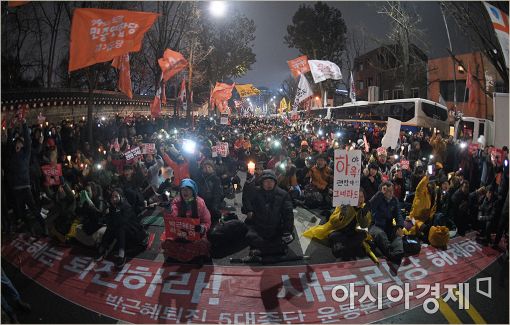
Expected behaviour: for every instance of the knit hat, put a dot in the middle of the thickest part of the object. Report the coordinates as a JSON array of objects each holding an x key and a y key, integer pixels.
[
  {"x": 268, "y": 174},
  {"x": 188, "y": 182},
  {"x": 207, "y": 162}
]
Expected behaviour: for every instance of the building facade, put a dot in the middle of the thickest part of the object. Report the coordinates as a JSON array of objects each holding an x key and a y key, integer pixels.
[
  {"x": 383, "y": 67},
  {"x": 449, "y": 79}
]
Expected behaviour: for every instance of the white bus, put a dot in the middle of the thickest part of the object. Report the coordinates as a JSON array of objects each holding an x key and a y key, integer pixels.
[{"x": 414, "y": 113}]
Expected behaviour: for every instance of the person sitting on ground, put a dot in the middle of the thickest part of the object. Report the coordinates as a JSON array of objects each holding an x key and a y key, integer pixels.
[
  {"x": 486, "y": 214},
  {"x": 321, "y": 181},
  {"x": 370, "y": 182},
  {"x": 251, "y": 185},
  {"x": 62, "y": 214},
  {"x": 287, "y": 180},
  {"x": 342, "y": 229},
  {"x": 190, "y": 243},
  {"x": 210, "y": 189},
  {"x": 90, "y": 210},
  {"x": 270, "y": 218},
  {"x": 123, "y": 230},
  {"x": 387, "y": 235}
]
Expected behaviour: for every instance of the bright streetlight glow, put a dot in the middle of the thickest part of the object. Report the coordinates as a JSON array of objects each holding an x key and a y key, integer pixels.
[{"x": 217, "y": 8}]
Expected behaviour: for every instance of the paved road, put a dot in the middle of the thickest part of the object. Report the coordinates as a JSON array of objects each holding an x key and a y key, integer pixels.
[{"x": 50, "y": 308}]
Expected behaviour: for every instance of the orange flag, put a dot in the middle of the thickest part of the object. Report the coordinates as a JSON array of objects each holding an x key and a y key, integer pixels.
[
  {"x": 121, "y": 63},
  {"x": 171, "y": 63},
  {"x": 221, "y": 93},
  {"x": 298, "y": 65},
  {"x": 156, "y": 104},
  {"x": 99, "y": 35}
]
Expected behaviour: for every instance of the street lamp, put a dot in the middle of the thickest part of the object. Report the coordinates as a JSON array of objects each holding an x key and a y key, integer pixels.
[{"x": 217, "y": 8}]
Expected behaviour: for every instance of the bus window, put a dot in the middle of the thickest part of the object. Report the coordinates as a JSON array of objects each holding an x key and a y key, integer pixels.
[
  {"x": 481, "y": 130},
  {"x": 434, "y": 112},
  {"x": 466, "y": 130}
]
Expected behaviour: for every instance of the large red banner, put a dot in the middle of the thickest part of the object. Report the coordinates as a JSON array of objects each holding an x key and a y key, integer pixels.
[{"x": 150, "y": 292}]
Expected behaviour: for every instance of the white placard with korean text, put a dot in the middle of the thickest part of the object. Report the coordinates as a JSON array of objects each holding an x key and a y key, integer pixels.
[
  {"x": 390, "y": 139},
  {"x": 347, "y": 173}
]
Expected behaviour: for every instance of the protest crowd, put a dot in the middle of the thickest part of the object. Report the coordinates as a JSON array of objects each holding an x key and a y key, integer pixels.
[{"x": 93, "y": 193}]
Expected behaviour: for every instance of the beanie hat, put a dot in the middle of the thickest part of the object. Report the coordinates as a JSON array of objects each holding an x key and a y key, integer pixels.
[
  {"x": 188, "y": 182},
  {"x": 268, "y": 174}
]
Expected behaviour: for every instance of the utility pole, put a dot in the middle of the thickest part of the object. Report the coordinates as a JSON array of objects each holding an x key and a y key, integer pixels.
[{"x": 453, "y": 61}]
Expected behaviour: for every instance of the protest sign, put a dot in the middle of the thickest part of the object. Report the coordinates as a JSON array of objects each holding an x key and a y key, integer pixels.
[
  {"x": 52, "y": 174},
  {"x": 346, "y": 182}
]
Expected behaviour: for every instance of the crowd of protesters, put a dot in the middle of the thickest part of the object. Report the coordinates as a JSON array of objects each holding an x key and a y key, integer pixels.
[{"x": 98, "y": 197}]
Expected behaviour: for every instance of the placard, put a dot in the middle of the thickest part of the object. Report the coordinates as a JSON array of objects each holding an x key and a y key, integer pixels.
[
  {"x": 148, "y": 148},
  {"x": 473, "y": 148},
  {"x": 52, "y": 174},
  {"x": 404, "y": 164},
  {"x": 132, "y": 154},
  {"x": 224, "y": 120},
  {"x": 392, "y": 134},
  {"x": 320, "y": 145},
  {"x": 347, "y": 174},
  {"x": 177, "y": 227},
  {"x": 220, "y": 149}
]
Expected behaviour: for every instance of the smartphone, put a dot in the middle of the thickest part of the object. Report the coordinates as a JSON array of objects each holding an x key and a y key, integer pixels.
[{"x": 430, "y": 170}]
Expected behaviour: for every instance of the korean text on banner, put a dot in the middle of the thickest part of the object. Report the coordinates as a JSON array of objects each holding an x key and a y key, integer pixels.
[
  {"x": 347, "y": 173},
  {"x": 247, "y": 90},
  {"x": 52, "y": 174},
  {"x": 322, "y": 70},
  {"x": 177, "y": 227},
  {"x": 222, "y": 149},
  {"x": 148, "y": 148},
  {"x": 132, "y": 154},
  {"x": 298, "y": 65},
  {"x": 391, "y": 136},
  {"x": 99, "y": 35}
]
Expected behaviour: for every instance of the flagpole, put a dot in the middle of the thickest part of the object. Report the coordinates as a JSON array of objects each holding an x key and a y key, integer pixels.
[{"x": 453, "y": 61}]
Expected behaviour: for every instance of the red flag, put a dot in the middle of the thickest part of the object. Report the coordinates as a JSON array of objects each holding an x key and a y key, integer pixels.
[
  {"x": 473, "y": 91},
  {"x": 163, "y": 94},
  {"x": 211, "y": 103},
  {"x": 121, "y": 63},
  {"x": 182, "y": 92},
  {"x": 99, "y": 35},
  {"x": 156, "y": 104},
  {"x": 191, "y": 97},
  {"x": 171, "y": 63}
]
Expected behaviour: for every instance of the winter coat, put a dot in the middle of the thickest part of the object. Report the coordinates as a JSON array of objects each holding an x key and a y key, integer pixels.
[
  {"x": 181, "y": 171},
  {"x": 320, "y": 178},
  {"x": 202, "y": 211},
  {"x": 423, "y": 209},
  {"x": 210, "y": 189},
  {"x": 272, "y": 212},
  {"x": 370, "y": 187},
  {"x": 250, "y": 188},
  {"x": 383, "y": 212},
  {"x": 344, "y": 218},
  {"x": 18, "y": 168},
  {"x": 153, "y": 173}
]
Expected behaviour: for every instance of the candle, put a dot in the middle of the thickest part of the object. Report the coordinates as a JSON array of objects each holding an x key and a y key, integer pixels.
[
  {"x": 251, "y": 167},
  {"x": 69, "y": 158}
]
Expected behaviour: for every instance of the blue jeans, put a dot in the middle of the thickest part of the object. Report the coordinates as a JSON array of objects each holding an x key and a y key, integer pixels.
[{"x": 9, "y": 294}]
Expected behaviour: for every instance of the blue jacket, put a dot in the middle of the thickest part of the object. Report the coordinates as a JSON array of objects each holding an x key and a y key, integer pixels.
[{"x": 383, "y": 212}]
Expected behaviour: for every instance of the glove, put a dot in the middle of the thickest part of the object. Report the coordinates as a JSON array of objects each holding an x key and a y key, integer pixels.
[
  {"x": 200, "y": 229},
  {"x": 287, "y": 237}
]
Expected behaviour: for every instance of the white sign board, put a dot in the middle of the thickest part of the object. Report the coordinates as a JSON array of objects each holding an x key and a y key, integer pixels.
[
  {"x": 220, "y": 149},
  {"x": 132, "y": 154},
  {"x": 390, "y": 139},
  {"x": 347, "y": 175},
  {"x": 224, "y": 121}
]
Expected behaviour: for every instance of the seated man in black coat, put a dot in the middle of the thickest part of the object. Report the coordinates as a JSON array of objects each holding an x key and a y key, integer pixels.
[
  {"x": 270, "y": 218},
  {"x": 122, "y": 229}
]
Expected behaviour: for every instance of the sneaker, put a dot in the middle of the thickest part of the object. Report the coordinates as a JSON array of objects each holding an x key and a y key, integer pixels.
[{"x": 119, "y": 262}]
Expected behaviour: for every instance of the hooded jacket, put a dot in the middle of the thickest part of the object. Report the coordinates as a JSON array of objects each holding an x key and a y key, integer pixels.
[{"x": 422, "y": 208}]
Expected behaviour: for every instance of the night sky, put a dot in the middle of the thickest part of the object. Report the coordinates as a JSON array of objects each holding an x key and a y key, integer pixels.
[{"x": 272, "y": 18}]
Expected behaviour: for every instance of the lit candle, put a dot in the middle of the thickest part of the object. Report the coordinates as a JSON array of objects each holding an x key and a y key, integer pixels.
[
  {"x": 104, "y": 152},
  {"x": 251, "y": 167},
  {"x": 69, "y": 158},
  {"x": 46, "y": 123}
]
